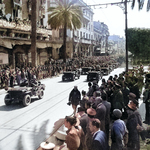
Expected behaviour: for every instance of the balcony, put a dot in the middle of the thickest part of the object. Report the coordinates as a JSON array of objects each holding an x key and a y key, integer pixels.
[
  {"x": 13, "y": 30},
  {"x": 17, "y": 2}
]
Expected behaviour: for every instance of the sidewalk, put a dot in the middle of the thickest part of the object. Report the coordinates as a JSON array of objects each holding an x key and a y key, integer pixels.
[{"x": 2, "y": 91}]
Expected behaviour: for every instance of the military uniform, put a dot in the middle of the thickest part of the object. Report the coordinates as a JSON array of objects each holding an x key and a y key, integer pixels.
[{"x": 146, "y": 100}]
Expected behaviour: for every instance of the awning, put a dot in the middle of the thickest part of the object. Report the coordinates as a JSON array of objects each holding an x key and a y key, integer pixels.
[
  {"x": 41, "y": 45},
  {"x": 10, "y": 43},
  {"x": 6, "y": 43}
]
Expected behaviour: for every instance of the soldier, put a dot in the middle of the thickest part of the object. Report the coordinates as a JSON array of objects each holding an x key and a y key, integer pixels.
[
  {"x": 74, "y": 98},
  {"x": 146, "y": 100},
  {"x": 117, "y": 98}
]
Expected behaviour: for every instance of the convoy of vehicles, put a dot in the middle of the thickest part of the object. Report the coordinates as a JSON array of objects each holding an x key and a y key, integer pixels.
[{"x": 25, "y": 92}]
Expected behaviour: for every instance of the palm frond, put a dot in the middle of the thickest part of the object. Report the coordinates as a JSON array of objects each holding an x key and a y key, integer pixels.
[
  {"x": 133, "y": 4},
  {"x": 65, "y": 11},
  {"x": 148, "y": 5},
  {"x": 141, "y": 3}
]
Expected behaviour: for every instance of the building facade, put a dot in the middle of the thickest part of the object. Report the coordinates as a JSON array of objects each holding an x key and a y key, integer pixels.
[
  {"x": 101, "y": 34},
  {"x": 15, "y": 33}
]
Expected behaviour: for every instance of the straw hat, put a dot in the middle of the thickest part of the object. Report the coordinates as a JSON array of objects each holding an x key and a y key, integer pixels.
[
  {"x": 47, "y": 146},
  {"x": 61, "y": 133}
]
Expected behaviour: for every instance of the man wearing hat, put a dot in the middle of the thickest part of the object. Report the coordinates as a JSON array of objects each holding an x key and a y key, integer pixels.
[
  {"x": 101, "y": 114},
  {"x": 83, "y": 117},
  {"x": 74, "y": 98},
  {"x": 91, "y": 112},
  {"x": 117, "y": 98},
  {"x": 118, "y": 131},
  {"x": 134, "y": 119}
]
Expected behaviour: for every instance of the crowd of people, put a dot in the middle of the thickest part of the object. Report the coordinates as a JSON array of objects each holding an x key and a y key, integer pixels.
[
  {"x": 106, "y": 117},
  {"x": 10, "y": 77}
]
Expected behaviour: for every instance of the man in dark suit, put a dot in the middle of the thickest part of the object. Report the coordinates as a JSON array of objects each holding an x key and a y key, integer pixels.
[
  {"x": 74, "y": 98},
  {"x": 107, "y": 116},
  {"x": 99, "y": 137}
]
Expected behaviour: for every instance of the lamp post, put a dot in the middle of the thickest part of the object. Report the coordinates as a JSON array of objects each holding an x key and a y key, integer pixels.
[{"x": 126, "y": 35}]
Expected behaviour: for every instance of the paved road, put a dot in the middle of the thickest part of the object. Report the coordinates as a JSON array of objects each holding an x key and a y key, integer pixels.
[{"x": 24, "y": 128}]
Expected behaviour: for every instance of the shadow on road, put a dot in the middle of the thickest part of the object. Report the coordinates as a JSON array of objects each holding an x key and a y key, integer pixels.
[
  {"x": 20, "y": 144},
  {"x": 65, "y": 81},
  {"x": 13, "y": 106},
  {"x": 36, "y": 137},
  {"x": 16, "y": 105},
  {"x": 39, "y": 136}
]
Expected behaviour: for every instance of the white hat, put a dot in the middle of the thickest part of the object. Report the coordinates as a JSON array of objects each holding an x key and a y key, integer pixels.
[
  {"x": 47, "y": 146},
  {"x": 61, "y": 135}
]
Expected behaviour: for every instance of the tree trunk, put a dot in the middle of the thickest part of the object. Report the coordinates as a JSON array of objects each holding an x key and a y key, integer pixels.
[
  {"x": 64, "y": 42},
  {"x": 33, "y": 35}
]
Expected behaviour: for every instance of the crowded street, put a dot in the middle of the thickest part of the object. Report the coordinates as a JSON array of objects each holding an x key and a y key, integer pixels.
[{"x": 26, "y": 127}]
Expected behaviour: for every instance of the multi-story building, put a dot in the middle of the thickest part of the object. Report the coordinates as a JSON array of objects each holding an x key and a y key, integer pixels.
[
  {"x": 15, "y": 33},
  {"x": 83, "y": 37},
  {"x": 116, "y": 44},
  {"x": 101, "y": 34}
]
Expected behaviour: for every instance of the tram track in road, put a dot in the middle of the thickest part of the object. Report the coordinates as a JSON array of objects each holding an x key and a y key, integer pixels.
[{"x": 52, "y": 99}]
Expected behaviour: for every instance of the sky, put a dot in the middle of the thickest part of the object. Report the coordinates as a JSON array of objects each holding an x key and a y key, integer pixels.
[{"x": 114, "y": 17}]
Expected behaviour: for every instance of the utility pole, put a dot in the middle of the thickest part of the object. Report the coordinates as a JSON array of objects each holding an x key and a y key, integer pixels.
[
  {"x": 33, "y": 33},
  {"x": 126, "y": 35}
]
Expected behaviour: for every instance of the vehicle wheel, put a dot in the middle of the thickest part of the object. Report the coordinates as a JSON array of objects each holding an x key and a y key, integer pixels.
[
  {"x": 26, "y": 100},
  {"x": 73, "y": 78},
  {"x": 6, "y": 100},
  {"x": 41, "y": 94}
]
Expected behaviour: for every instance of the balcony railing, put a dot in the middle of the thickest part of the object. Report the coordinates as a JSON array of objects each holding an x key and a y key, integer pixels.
[
  {"x": 17, "y": 2},
  {"x": 22, "y": 27}
]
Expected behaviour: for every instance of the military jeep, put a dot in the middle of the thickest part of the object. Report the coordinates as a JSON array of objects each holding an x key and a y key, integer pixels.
[
  {"x": 24, "y": 94},
  {"x": 94, "y": 75},
  {"x": 71, "y": 75}
]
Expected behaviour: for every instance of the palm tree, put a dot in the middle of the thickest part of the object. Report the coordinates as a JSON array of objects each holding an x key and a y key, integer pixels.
[
  {"x": 141, "y": 3},
  {"x": 67, "y": 15}
]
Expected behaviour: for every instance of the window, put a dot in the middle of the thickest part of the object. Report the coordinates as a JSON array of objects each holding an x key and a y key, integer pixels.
[
  {"x": 80, "y": 34},
  {"x": 86, "y": 36},
  {"x": 83, "y": 34},
  {"x": 77, "y": 33}
]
